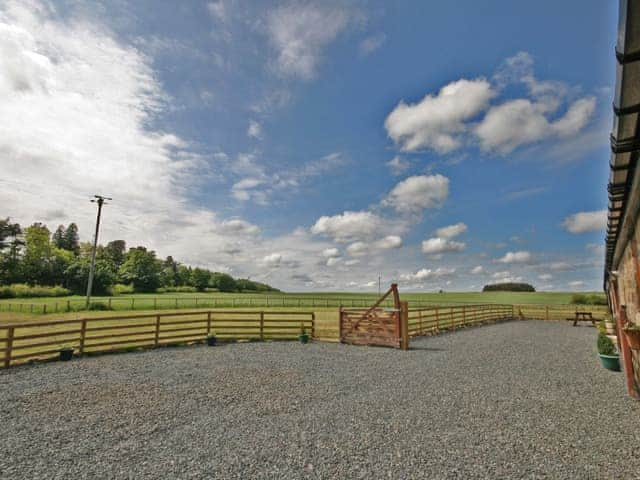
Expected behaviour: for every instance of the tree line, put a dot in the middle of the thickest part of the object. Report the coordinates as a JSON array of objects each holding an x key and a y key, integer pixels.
[{"x": 35, "y": 256}]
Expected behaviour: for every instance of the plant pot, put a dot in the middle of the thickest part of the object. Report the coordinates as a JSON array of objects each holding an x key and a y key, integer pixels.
[
  {"x": 211, "y": 340},
  {"x": 610, "y": 328},
  {"x": 633, "y": 337},
  {"x": 610, "y": 362},
  {"x": 66, "y": 354},
  {"x": 303, "y": 337}
]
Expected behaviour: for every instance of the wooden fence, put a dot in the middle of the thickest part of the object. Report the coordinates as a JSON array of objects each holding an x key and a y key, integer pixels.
[
  {"x": 434, "y": 319},
  {"x": 22, "y": 342},
  {"x": 558, "y": 312}
]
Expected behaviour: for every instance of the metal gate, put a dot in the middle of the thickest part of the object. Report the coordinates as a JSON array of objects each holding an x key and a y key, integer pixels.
[{"x": 386, "y": 327}]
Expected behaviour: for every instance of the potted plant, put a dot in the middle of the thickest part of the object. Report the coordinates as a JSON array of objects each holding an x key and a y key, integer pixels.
[
  {"x": 632, "y": 332},
  {"x": 211, "y": 340},
  {"x": 304, "y": 336},
  {"x": 66, "y": 353},
  {"x": 608, "y": 354}
]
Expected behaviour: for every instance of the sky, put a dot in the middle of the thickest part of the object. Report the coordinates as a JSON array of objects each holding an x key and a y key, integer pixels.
[{"x": 316, "y": 146}]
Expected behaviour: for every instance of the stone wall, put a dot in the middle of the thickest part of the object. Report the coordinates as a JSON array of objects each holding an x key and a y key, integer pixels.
[{"x": 628, "y": 292}]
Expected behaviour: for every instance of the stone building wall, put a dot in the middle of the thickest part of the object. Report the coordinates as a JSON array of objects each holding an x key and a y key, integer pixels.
[{"x": 628, "y": 292}]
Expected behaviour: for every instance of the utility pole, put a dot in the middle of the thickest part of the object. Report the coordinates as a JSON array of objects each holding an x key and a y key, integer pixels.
[{"x": 99, "y": 199}]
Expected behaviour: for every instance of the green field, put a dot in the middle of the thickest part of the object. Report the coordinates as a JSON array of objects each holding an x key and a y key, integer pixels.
[{"x": 300, "y": 300}]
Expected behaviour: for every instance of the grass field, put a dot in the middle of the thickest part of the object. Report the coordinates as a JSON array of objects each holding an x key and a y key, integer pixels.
[{"x": 301, "y": 300}]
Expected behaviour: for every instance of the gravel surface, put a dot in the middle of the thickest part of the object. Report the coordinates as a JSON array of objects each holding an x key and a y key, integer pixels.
[{"x": 511, "y": 400}]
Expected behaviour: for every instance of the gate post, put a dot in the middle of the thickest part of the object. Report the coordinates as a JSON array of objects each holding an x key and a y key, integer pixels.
[
  {"x": 340, "y": 323},
  {"x": 404, "y": 325}
]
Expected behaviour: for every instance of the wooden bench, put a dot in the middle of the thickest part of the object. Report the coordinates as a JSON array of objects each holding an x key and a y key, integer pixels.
[{"x": 583, "y": 317}]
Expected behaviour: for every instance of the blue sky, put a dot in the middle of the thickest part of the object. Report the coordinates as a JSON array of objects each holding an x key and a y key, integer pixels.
[{"x": 317, "y": 145}]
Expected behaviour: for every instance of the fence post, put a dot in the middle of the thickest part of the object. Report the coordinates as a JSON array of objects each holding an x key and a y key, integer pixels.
[
  {"x": 262, "y": 325},
  {"x": 157, "y": 336},
  {"x": 340, "y": 313},
  {"x": 9, "y": 344},
  {"x": 83, "y": 334},
  {"x": 313, "y": 324},
  {"x": 420, "y": 320},
  {"x": 453, "y": 322},
  {"x": 208, "y": 323},
  {"x": 547, "y": 312},
  {"x": 464, "y": 315},
  {"x": 404, "y": 325},
  {"x": 437, "y": 320},
  {"x": 44, "y": 308}
]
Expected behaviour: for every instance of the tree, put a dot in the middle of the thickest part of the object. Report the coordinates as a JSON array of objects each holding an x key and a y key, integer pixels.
[
  {"x": 141, "y": 269},
  {"x": 114, "y": 254},
  {"x": 37, "y": 255},
  {"x": 58, "y": 237},
  {"x": 223, "y": 282},
  {"x": 200, "y": 279},
  {"x": 77, "y": 276},
  {"x": 72, "y": 239},
  {"x": 10, "y": 252}
]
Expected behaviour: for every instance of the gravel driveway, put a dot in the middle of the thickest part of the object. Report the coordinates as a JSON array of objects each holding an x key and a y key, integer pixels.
[{"x": 517, "y": 400}]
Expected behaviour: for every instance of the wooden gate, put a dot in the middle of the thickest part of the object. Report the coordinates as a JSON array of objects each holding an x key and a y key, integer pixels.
[{"x": 385, "y": 327}]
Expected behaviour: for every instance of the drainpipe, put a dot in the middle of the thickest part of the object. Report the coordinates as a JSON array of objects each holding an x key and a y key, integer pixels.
[{"x": 625, "y": 351}]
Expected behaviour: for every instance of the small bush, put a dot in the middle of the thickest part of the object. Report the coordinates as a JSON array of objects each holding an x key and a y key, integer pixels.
[
  {"x": 605, "y": 345},
  {"x": 121, "y": 289},
  {"x": 99, "y": 306},
  {"x": 22, "y": 290},
  {"x": 590, "y": 299}
]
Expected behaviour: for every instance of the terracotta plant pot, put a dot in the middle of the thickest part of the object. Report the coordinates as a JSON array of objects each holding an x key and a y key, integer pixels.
[{"x": 633, "y": 337}]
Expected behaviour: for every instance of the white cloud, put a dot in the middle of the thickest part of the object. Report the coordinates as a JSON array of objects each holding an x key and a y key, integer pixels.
[
  {"x": 397, "y": 165},
  {"x": 372, "y": 43},
  {"x": 348, "y": 226},
  {"x": 477, "y": 270},
  {"x": 330, "y": 252},
  {"x": 300, "y": 32},
  {"x": 419, "y": 192},
  {"x": 333, "y": 261},
  {"x": 273, "y": 259},
  {"x": 437, "y": 246},
  {"x": 218, "y": 10},
  {"x": 238, "y": 226},
  {"x": 427, "y": 273},
  {"x": 437, "y": 122},
  {"x": 357, "y": 249},
  {"x": 254, "y": 130},
  {"x": 451, "y": 231},
  {"x": 576, "y": 284},
  {"x": 517, "y": 122},
  {"x": 516, "y": 257},
  {"x": 545, "y": 277},
  {"x": 582, "y": 222},
  {"x": 388, "y": 242}
]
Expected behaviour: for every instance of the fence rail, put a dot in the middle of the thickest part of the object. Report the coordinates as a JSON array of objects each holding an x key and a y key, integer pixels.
[
  {"x": 21, "y": 342},
  {"x": 559, "y": 312},
  {"x": 434, "y": 319}
]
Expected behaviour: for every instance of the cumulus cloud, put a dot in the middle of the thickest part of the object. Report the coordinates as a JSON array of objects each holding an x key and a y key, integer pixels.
[
  {"x": 300, "y": 32},
  {"x": 516, "y": 257},
  {"x": 437, "y": 246},
  {"x": 438, "y": 121},
  {"x": 330, "y": 252},
  {"x": 522, "y": 121},
  {"x": 477, "y": 270},
  {"x": 576, "y": 284},
  {"x": 545, "y": 277},
  {"x": 451, "y": 231},
  {"x": 582, "y": 222},
  {"x": 348, "y": 226},
  {"x": 357, "y": 249},
  {"x": 388, "y": 242},
  {"x": 254, "y": 130},
  {"x": 419, "y": 192},
  {"x": 427, "y": 273}
]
